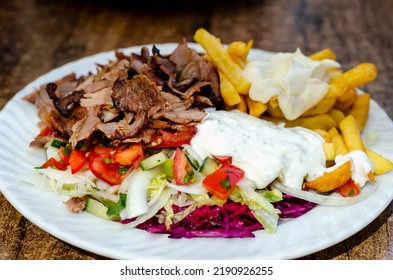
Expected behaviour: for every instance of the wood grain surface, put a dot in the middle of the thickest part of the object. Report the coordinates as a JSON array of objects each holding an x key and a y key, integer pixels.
[{"x": 37, "y": 36}]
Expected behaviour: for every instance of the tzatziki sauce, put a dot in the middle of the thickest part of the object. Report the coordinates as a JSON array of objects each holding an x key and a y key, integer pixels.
[
  {"x": 361, "y": 166},
  {"x": 265, "y": 151}
]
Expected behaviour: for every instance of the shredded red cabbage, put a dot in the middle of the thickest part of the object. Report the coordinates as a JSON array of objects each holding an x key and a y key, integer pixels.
[
  {"x": 293, "y": 207},
  {"x": 227, "y": 221}
]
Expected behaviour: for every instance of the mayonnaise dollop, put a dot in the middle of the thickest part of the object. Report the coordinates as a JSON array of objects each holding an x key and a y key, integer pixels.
[
  {"x": 298, "y": 81},
  {"x": 263, "y": 150}
]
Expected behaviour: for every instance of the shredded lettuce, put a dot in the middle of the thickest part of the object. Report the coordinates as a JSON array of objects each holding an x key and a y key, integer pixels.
[
  {"x": 262, "y": 209},
  {"x": 66, "y": 183}
]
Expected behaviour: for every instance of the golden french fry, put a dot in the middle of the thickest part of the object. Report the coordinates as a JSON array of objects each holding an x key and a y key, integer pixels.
[
  {"x": 381, "y": 164},
  {"x": 255, "y": 108},
  {"x": 332, "y": 179},
  {"x": 274, "y": 109},
  {"x": 357, "y": 76},
  {"x": 360, "y": 109},
  {"x": 350, "y": 97},
  {"x": 323, "y": 54},
  {"x": 349, "y": 94},
  {"x": 242, "y": 106},
  {"x": 337, "y": 115},
  {"x": 230, "y": 108},
  {"x": 336, "y": 88},
  {"x": 238, "y": 48},
  {"x": 238, "y": 61},
  {"x": 351, "y": 134},
  {"x": 330, "y": 151},
  {"x": 250, "y": 43},
  {"x": 338, "y": 141},
  {"x": 324, "y": 134},
  {"x": 228, "y": 92},
  {"x": 323, "y": 106},
  {"x": 324, "y": 121},
  {"x": 222, "y": 60}
]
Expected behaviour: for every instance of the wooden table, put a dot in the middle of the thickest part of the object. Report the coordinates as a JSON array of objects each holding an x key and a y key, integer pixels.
[{"x": 37, "y": 36}]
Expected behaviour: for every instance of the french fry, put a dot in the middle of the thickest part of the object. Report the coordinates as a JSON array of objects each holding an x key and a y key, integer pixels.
[
  {"x": 255, "y": 108},
  {"x": 344, "y": 106},
  {"x": 324, "y": 134},
  {"x": 323, "y": 54},
  {"x": 330, "y": 151},
  {"x": 359, "y": 75},
  {"x": 355, "y": 77},
  {"x": 242, "y": 106},
  {"x": 274, "y": 109},
  {"x": 349, "y": 94},
  {"x": 336, "y": 88},
  {"x": 332, "y": 179},
  {"x": 228, "y": 92},
  {"x": 238, "y": 48},
  {"x": 222, "y": 60},
  {"x": 338, "y": 141},
  {"x": 324, "y": 121},
  {"x": 337, "y": 115},
  {"x": 323, "y": 106},
  {"x": 360, "y": 109},
  {"x": 351, "y": 134},
  {"x": 250, "y": 43},
  {"x": 238, "y": 61},
  {"x": 381, "y": 164}
]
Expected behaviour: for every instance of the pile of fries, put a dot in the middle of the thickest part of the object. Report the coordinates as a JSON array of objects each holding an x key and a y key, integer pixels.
[{"x": 339, "y": 117}]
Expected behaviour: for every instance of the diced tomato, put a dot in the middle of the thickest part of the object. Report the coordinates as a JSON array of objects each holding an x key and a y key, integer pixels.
[
  {"x": 54, "y": 163},
  {"x": 180, "y": 167},
  {"x": 64, "y": 157},
  {"x": 222, "y": 182},
  {"x": 350, "y": 188},
  {"x": 130, "y": 155},
  {"x": 166, "y": 139},
  {"x": 224, "y": 159},
  {"x": 102, "y": 166},
  {"x": 77, "y": 160},
  {"x": 45, "y": 132}
]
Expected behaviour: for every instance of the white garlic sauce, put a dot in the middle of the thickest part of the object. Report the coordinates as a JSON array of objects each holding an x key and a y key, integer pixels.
[{"x": 265, "y": 151}]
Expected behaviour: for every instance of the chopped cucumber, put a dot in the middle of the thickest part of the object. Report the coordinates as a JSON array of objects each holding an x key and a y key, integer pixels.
[
  {"x": 98, "y": 209},
  {"x": 58, "y": 143},
  {"x": 167, "y": 167},
  {"x": 153, "y": 161},
  {"x": 209, "y": 165},
  {"x": 193, "y": 162}
]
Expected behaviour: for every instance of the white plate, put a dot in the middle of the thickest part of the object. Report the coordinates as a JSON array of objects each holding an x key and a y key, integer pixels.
[{"x": 320, "y": 228}]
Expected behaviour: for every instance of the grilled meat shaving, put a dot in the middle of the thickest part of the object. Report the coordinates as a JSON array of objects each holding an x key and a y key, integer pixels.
[{"x": 130, "y": 98}]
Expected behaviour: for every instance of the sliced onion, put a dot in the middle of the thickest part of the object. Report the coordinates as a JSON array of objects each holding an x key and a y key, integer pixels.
[
  {"x": 136, "y": 183},
  {"x": 246, "y": 183},
  {"x": 330, "y": 200},
  {"x": 155, "y": 207},
  {"x": 193, "y": 153},
  {"x": 196, "y": 188}
]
